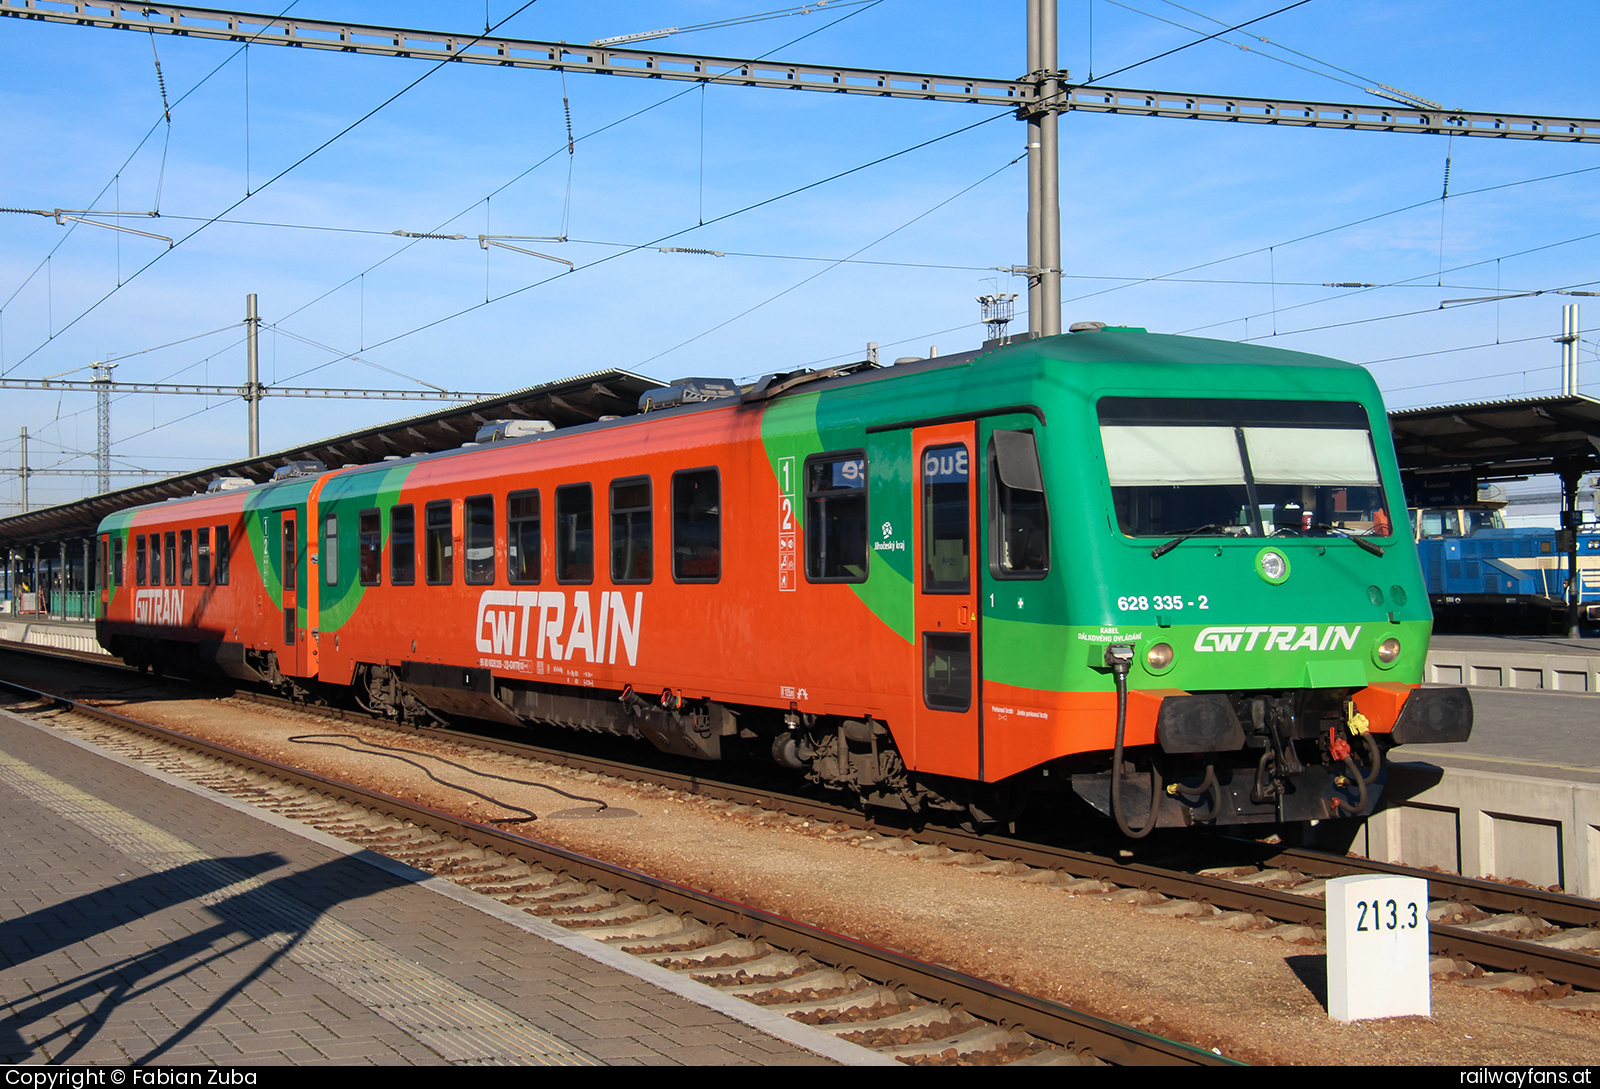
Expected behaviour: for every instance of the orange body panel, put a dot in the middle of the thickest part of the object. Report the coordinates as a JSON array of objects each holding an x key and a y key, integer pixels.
[
  {"x": 1025, "y": 727},
  {"x": 1381, "y": 703}
]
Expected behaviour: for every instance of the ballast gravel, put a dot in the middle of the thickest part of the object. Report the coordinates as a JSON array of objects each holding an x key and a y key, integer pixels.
[{"x": 1249, "y": 995}]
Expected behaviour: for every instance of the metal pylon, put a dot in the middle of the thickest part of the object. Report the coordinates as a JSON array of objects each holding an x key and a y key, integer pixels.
[{"x": 102, "y": 406}]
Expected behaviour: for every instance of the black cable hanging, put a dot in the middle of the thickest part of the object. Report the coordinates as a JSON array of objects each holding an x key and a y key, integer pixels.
[
  {"x": 702, "y": 215},
  {"x": 572, "y": 155},
  {"x": 1444, "y": 196},
  {"x": 332, "y": 741},
  {"x": 246, "y": 119},
  {"x": 166, "y": 112}
]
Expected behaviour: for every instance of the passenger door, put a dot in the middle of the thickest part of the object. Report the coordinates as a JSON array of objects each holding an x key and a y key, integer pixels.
[
  {"x": 947, "y": 699},
  {"x": 290, "y": 553}
]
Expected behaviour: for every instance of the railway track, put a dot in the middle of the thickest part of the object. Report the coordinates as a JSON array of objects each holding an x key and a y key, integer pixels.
[
  {"x": 897, "y": 1007},
  {"x": 1521, "y": 939}
]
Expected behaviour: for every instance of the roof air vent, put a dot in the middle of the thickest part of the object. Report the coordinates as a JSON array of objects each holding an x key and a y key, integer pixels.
[
  {"x": 228, "y": 483},
  {"x": 495, "y": 430},
  {"x": 304, "y": 467},
  {"x": 1086, "y": 327},
  {"x": 688, "y": 391}
]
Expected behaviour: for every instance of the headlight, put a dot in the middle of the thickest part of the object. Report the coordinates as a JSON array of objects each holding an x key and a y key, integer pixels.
[
  {"x": 1158, "y": 658},
  {"x": 1387, "y": 651}
]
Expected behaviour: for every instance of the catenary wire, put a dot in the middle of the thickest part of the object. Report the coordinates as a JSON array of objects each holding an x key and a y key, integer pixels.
[
  {"x": 264, "y": 185},
  {"x": 137, "y": 147},
  {"x": 824, "y": 271},
  {"x": 555, "y": 154}
]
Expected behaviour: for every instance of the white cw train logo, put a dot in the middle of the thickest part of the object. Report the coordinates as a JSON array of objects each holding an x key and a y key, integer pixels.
[
  {"x": 158, "y": 607},
  {"x": 507, "y": 619},
  {"x": 1279, "y": 637}
]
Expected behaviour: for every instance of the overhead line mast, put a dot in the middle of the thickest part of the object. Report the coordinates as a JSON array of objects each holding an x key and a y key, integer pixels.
[{"x": 1039, "y": 97}]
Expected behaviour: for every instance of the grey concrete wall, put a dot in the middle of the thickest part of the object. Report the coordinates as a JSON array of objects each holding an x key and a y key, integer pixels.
[
  {"x": 1514, "y": 669},
  {"x": 1482, "y": 824},
  {"x": 62, "y": 636}
]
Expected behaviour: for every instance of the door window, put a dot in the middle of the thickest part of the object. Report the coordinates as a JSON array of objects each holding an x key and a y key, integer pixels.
[{"x": 946, "y": 520}]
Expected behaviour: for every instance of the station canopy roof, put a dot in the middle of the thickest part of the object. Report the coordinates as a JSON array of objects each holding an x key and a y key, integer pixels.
[
  {"x": 1515, "y": 437},
  {"x": 565, "y": 403}
]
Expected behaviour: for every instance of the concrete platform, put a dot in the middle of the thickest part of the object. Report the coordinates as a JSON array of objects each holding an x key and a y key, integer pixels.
[
  {"x": 1520, "y": 800},
  {"x": 144, "y": 920},
  {"x": 62, "y": 634},
  {"x": 1483, "y": 823},
  {"x": 1549, "y": 663}
]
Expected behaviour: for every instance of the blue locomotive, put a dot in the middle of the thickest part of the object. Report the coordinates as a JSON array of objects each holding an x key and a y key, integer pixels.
[{"x": 1482, "y": 575}]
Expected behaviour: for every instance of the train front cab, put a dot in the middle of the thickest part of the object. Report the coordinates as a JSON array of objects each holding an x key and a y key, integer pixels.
[{"x": 1258, "y": 603}]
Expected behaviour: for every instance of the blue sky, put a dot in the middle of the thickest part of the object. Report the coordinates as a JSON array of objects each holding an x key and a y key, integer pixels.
[{"x": 473, "y": 149}]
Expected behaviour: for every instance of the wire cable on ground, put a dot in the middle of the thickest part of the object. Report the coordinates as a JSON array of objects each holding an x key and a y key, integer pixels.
[{"x": 392, "y": 753}]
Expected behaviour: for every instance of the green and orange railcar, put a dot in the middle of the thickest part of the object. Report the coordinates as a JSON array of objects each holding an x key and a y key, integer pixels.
[{"x": 948, "y": 583}]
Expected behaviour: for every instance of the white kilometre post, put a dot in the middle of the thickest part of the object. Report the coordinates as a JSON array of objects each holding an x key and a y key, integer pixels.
[{"x": 1378, "y": 948}]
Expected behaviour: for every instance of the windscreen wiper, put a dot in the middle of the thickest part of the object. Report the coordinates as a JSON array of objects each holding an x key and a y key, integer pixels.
[
  {"x": 1161, "y": 550},
  {"x": 1376, "y": 550}
]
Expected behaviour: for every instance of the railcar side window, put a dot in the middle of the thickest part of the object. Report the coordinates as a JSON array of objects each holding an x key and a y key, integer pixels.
[
  {"x": 141, "y": 564},
  {"x": 946, "y": 671},
  {"x": 291, "y": 566},
  {"x": 369, "y": 531},
  {"x": 1226, "y": 467},
  {"x": 172, "y": 558},
  {"x": 836, "y": 518},
  {"x": 575, "y": 533},
  {"x": 330, "y": 550},
  {"x": 402, "y": 545},
  {"x": 291, "y": 556},
  {"x": 479, "y": 512},
  {"x": 631, "y": 558},
  {"x": 203, "y": 555},
  {"x": 222, "y": 555},
  {"x": 116, "y": 561},
  {"x": 1018, "y": 518},
  {"x": 697, "y": 525},
  {"x": 186, "y": 551},
  {"x": 441, "y": 569},
  {"x": 522, "y": 537},
  {"x": 946, "y": 520}
]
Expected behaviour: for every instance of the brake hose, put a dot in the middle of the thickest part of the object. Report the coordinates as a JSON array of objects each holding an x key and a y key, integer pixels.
[
  {"x": 1355, "y": 773},
  {"x": 1208, "y": 787},
  {"x": 1119, "y": 658},
  {"x": 1377, "y": 758}
]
